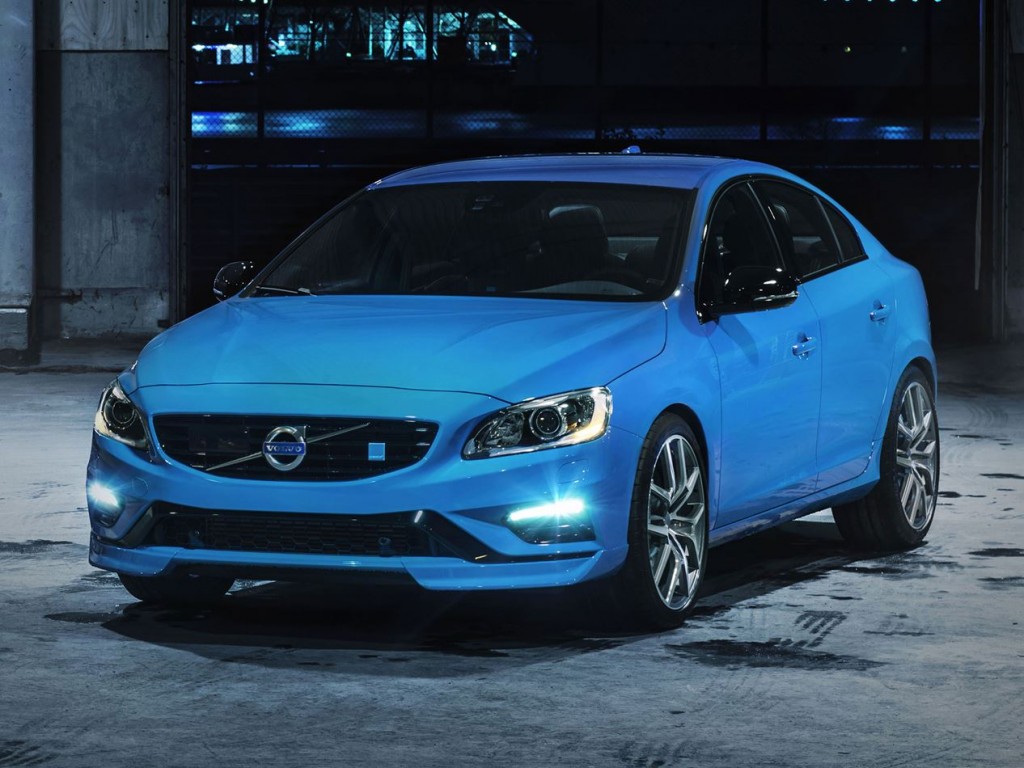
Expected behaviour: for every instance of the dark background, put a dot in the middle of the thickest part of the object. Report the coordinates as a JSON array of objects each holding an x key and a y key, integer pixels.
[{"x": 294, "y": 105}]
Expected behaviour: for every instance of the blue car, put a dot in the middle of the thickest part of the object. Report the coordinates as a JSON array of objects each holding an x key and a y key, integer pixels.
[{"x": 527, "y": 372}]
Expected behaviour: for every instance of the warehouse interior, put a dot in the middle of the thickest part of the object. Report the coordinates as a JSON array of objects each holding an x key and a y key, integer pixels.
[
  {"x": 147, "y": 143},
  {"x": 152, "y": 141}
]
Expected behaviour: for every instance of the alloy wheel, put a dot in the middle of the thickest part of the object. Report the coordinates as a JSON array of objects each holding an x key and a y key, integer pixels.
[
  {"x": 676, "y": 529},
  {"x": 916, "y": 456}
]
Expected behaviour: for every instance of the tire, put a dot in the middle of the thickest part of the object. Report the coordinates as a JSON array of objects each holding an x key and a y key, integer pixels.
[
  {"x": 181, "y": 590},
  {"x": 898, "y": 512},
  {"x": 668, "y": 529}
]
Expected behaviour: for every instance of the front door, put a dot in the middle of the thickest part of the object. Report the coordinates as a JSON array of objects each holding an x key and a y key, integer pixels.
[{"x": 770, "y": 371}]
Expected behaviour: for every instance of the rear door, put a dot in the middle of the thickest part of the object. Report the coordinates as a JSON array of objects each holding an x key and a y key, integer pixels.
[
  {"x": 770, "y": 371},
  {"x": 855, "y": 303}
]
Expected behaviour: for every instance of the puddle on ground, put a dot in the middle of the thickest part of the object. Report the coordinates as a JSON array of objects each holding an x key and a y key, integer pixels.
[
  {"x": 91, "y": 581},
  {"x": 998, "y": 552},
  {"x": 77, "y": 617},
  {"x": 34, "y": 547},
  {"x": 734, "y": 653},
  {"x": 1004, "y": 582},
  {"x": 17, "y": 752},
  {"x": 878, "y": 570},
  {"x": 898, "y": 633}
]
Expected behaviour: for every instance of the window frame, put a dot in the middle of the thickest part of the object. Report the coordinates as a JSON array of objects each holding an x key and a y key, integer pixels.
[
  {"x": 827, "y": 207},
  {"x": 824, "y": 206},
  {"x": 703, "y": 307}
]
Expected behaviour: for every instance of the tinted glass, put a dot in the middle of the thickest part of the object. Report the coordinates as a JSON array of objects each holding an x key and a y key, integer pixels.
[
  {"x": 803, "y": 231},
  {"x": 738, "y": 236},
  {"x": 849, "y": 243},
  {"x": 545, "y": 240}
]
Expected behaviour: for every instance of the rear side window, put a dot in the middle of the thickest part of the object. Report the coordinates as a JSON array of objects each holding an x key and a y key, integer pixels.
[
  {"x": 849, "y": 243},
  {"x": 803, "y": 231}
]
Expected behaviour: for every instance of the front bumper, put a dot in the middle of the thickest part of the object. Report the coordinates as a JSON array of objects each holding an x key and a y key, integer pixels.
[{"x": 469, "y": 499}]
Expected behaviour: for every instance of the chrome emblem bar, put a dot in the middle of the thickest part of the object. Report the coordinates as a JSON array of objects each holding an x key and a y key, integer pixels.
[
  {"x": 282, "y": 450},
  {"x": 285, "y": 454}
]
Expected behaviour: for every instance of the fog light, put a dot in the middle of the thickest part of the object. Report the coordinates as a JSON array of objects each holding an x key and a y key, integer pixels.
[
  {"x": 105, "y": 501},
  {"x": 560, "y": 521}
]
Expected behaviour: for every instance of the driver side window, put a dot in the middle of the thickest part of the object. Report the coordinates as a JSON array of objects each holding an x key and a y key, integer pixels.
[{"x": 737, "y": 236}]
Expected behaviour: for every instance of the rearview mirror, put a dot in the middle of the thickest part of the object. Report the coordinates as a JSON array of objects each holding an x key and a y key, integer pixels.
[
  {"x": 753, "y": 288},
  {"x": 232, "y": 278}
]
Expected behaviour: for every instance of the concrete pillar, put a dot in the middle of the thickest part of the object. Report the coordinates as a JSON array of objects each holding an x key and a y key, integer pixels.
[
  {"x": 17, "y": 188},
  {"x": 103, "y": 160},
  {"x": 1013, "y": 292}
]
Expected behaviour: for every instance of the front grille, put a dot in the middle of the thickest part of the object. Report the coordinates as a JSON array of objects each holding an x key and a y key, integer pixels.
[
  {"x": 423, "y": 533},
  {"x": 385, "y": 535},
  {"x": 207, "y": 442}
]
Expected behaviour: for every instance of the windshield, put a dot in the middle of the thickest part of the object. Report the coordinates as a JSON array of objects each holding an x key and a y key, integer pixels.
[{"x": 537, "y": 239}]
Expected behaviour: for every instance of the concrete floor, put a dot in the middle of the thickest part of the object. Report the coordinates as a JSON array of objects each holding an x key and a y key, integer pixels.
[{"x": 799, "y": 654}]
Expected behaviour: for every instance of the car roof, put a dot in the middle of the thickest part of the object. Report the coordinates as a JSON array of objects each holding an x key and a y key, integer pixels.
[{"x": 679, "y": 171}]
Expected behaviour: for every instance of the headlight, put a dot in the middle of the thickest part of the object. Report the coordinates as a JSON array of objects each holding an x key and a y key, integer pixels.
[
  {"x": 118, "y": 418},
  {"x": 546, "y": 422}
]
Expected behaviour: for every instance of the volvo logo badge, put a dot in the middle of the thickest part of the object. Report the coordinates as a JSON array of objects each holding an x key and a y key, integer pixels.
[{"x": 285, "y": 447}]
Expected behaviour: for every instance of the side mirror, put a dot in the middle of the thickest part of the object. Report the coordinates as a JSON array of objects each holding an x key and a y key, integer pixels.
[
  {"x": 232, "y": 278},
  {"x": 750, "y": 289}
]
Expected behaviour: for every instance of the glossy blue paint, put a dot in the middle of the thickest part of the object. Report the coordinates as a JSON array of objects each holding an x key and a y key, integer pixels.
[
  {"x": 783, "y": 434},
  {"x": 516, "y": 345},
  {"x": 858, "y": 328},
  {"x": 770, "y": 403}
]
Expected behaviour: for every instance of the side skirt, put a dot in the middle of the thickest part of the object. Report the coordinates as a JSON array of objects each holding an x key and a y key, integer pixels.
[{"x": 843, "y": 493}]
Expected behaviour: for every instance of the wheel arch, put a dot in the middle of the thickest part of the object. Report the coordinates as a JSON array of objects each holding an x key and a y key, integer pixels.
[
  {"x": 927, "y": 368},
  {"x": 688, "y": 415},
  {"x": 910, "y": 354},
  {"x": 693, "y": 421}
]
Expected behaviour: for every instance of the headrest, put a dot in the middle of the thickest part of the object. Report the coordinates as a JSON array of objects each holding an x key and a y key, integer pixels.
[{"x": 579, "y": 226}]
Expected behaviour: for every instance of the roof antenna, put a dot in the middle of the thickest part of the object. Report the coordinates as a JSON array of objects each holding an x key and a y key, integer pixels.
[{"x": 632, "y": 149}]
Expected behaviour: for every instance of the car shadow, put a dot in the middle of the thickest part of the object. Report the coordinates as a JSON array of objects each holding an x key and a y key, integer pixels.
[{"x": 284, "y": 624}]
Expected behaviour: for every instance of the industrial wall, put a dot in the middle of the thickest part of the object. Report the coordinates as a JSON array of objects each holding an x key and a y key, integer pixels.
[
  {"x": 16, "y": 173},
  {"x": 103, "y": 171},
  {"x": 1014, "y": 103},
  {"x": 88, "y": 190}
]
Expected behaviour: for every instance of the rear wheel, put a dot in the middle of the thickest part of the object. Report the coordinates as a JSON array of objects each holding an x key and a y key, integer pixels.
[
  {"x": 667, "y": 528},
  {"x": 183, "y": 589},
  {"x": 899, "y": 510}
]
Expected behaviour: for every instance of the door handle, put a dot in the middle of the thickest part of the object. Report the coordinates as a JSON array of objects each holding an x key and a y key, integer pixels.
[
  {"x": 879, "y": 313},
  {"x": 805, "y": 346}
]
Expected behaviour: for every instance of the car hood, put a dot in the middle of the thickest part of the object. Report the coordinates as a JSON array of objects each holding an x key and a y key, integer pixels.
[{"x": 507, "y": 348}]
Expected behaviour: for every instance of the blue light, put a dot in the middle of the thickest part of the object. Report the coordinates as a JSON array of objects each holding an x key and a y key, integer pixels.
[
  {"x": 563, "y": 508},
  {"x": 223, "y": 123},
  {"x": 558, "y": 522},
  {"x": 103, "y": 497}
]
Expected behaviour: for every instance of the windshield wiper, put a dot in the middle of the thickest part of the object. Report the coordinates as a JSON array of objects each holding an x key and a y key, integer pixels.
[{"x": 284, "y": 290}]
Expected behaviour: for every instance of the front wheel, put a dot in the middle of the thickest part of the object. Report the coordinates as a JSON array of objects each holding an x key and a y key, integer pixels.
[
  {"x": 899, "y": 510},
  {"x": 668, "y": 528}
]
